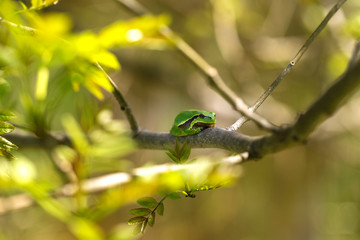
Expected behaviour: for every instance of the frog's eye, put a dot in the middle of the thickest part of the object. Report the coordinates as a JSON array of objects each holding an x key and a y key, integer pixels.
[{"x": 201, "y": 116}]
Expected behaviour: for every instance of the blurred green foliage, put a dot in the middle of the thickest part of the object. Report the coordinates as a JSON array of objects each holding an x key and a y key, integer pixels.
[{"x": 49, "y": 81}]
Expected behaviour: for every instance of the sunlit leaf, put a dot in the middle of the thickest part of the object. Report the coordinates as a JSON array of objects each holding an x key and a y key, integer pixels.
[
  {"x": 42, "y": 83},
  {"x": 7, "y": 145},
  {"x": 143, "y": 30},
  {"x": 144, "y": 225},
  {"x": 136, "y": 220},
  {"x": 6, "y": 115},
  {"x": 106, "y": 59},
  {"x": 75, "y": 133},
  {"x": 6, "y": 127},
  {"x": 6, "y": 154},
  {"x": 39, "y": 4},
  {"x": 52, "y": 24},
  {"x": 148, "y": 202}
]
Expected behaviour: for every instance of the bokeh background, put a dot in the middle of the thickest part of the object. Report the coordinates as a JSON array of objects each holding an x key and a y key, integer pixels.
[{"x": 310, "y": 191}]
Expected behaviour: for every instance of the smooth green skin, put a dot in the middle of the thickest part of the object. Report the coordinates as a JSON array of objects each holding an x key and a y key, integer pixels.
[{"x": 192, "y": 122}]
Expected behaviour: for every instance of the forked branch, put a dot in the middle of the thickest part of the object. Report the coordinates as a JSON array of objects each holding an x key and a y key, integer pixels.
[
  {"x": 290, "y": 65},
  {"x": 213, "y": 77}
]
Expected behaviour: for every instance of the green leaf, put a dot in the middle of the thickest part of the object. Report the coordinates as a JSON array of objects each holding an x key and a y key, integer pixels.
[
  {"x": 143, "y": 225},
  {"x": 151, "y": 219},
  {"x": 6, "y": 154},
  {"x": 6, "y": 115},
  {"x": 105, "y": 58},
  {"x": 5, "y": 127},
  {"x": 174, "y": 158},
  {"x": 185, "y": 154},
  {"x": 170, "y": 149},
  {"x": 148, "y": 202},
  {"x": 136, "y": 220},
  {"x": 75, "y": 133},
  {"x": 173, "y": 196},
  {"x": 160, "y": 209},
  {"x": 7, "y": 145},
  {"x": 140, "y": 211}
]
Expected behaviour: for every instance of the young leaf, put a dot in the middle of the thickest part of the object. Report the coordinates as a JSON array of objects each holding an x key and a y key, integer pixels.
[
  {"x": 140, "y": 211},
  {"x": 170, "y": 149},
  {"x": 185, "y": 155},
  {"x": 143, "y": 225},
  {"x": 6, "y": 116},
  {"x": 174, "y": 158},
  {"x": 7, "y": 145},
  {"x": 136, "y": 220},
  {"x": 148, "y": 202},
  {"x": 160, "y": 209},
  {"x": 151, "y": 219},
  {"x": 5, "y": 127}
]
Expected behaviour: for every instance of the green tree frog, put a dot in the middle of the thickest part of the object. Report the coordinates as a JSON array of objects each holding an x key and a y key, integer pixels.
[{"x": 192, "y": 122}]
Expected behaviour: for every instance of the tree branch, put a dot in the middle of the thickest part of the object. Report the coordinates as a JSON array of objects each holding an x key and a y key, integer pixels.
[
  {"x": 213, "y": 77},
  {"x": 318, "y": 112},
  {"x": 290, "y": 65},
  {"x": 124, "y": 106},
  {"x": 112, "y": 180}
]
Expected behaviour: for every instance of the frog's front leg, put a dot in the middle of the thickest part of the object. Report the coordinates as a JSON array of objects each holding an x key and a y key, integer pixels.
[{"x": 190, "y": 131}]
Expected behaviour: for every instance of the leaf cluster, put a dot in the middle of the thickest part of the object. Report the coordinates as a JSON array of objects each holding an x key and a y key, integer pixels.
[
  {"x": 180, "y": 153},
  {"x": 6, "y": 127},
  {"x": 146, "y": 214}
]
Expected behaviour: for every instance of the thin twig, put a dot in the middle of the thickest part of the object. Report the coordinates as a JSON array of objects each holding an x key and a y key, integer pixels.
[
  {"x": 211, "y": 73},
  {"x": 124, "y": 106},
  {"x": 290, "y": 66}
]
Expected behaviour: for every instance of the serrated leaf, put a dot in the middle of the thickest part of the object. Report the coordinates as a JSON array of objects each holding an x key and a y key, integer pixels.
[
  {"x": 140, "y": 211},
  {"x": 136, "y": 220},
  {"x": 160, "y": 209},
  {"x": 148, "y": 202},
  {"x": 6, "y": 115},
  {"x": 173, "y": 196},
  {"x": 151, "y": 219},
  {"x": 174, "y": 158},
  {"x": 5, "y": 127}
]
